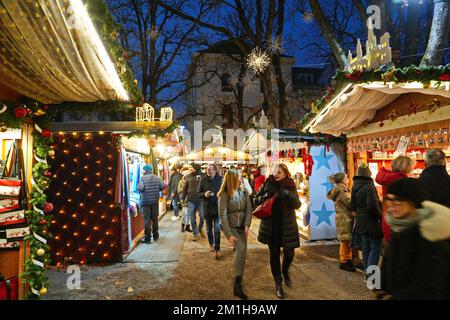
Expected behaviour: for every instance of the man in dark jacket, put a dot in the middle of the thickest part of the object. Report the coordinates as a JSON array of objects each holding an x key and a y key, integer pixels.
[
  {"x": 190, "y": 195},
  {"x": 149, "y": 187},
  {"x": 367, "y": 205},
  {"x": 173, "y": 191},
  {"x": 435, "y": 178},
  {"x": 208, "y": 188}
]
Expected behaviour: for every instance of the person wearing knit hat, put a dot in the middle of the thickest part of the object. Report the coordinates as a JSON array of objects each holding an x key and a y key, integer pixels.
[
  {"x": 340, "y": 195},
  {"x": 415, "y": 264},
  {"x": 191, "y": 196},
  {"x": 366, "y": 206},
  {"x": 364, "y": 170},
  {"x": 149, "y": 187}
]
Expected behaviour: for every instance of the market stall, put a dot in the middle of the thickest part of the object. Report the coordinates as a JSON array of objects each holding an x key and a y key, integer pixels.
[
  {"x": 384, "y": 120},
  {"x": 51, "y": 54}
]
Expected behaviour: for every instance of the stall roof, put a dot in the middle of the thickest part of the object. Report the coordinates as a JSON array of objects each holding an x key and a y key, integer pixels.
[
  {"x": 51, "y": 52},
  {"x": 358, "y": 103}
]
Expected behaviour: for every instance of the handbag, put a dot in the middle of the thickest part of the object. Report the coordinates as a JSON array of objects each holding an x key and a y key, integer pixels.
[
  {"x": 9, "y": 289},
  {"x": 264, "y": 210}
]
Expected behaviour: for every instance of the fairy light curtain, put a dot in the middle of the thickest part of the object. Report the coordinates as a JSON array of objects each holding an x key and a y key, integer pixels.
[
  {"x": 350, "y": 110},
  {"x": 51, "y": 52},
  {"x": 87, "y": 223}
]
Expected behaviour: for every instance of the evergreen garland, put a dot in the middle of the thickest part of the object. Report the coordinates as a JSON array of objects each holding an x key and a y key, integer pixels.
[{"x": 412, "y": 73}]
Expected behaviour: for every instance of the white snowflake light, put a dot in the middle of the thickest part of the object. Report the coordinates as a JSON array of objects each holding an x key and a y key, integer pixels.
[
  {"x": 247, "y": 82},
  {"x": 258, "y": 60},
  {"x": 276, "y": 45}
]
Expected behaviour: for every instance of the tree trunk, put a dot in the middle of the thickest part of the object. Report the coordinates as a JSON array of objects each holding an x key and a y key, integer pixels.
[
  {"x": 411, "y": 37},
  {"x": 438, "y": 35},
  {"x": 335, "y": 47},
  {"x": 152, "y": 63}
]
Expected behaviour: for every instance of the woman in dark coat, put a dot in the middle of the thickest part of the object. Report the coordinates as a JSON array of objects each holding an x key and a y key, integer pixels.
[
  {"x": 281, "y": 229},
  {"x": 416, "y": 262},
  {"x": 367, "y": 205}
]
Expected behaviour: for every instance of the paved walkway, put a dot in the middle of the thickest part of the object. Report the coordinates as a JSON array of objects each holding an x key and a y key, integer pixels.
[{"x": 175, "y": 267}]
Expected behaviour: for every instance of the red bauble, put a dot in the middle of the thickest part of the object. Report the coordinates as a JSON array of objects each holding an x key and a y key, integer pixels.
[
  {"x": 42, "y": 222},
  {"x": 46, "y": 133},
  {"x": 45, "y": 107},
  {"x": 47, "y": 173},
  {"x": 29, "y": 111},
  {"x": 20, "y": 112},
  {"x": 48, "y": 207},
  {"x": 445, "y": 77}
]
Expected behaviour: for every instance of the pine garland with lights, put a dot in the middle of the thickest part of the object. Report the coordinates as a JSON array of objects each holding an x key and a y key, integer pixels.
[
  {"x": 39, "y": 222},
  {"x": 424, "y": 75}
]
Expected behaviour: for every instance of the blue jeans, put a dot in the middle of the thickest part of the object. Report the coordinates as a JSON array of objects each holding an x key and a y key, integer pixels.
[
  {"x": 213, "y": 231},
  {"x": 193, "y": 207},
  {"x": 371, "y": 249},
  {"x": 175, "y": 207}
]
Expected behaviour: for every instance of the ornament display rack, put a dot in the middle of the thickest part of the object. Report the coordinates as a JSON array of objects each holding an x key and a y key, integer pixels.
[{"x": 12, "y": 261}]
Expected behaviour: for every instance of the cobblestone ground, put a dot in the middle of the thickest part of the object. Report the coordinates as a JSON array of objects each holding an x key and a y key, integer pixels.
[{"x": 175, "y": 267}]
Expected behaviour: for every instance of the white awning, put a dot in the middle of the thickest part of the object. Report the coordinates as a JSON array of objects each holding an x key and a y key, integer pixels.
[
  {"x": 50, "y": 51},
  {"x": 360, "y": 102}
]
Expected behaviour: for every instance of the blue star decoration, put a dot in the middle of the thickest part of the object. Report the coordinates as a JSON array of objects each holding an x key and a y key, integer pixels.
[
  {"x": 322, "y": 159},
  {"x": 327, "y": 185},
  {"x": 323, "y": 215}
]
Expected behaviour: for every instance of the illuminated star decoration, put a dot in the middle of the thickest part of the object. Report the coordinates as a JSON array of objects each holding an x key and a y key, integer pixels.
[
  {"x": 322, "y": 159},
  {"x": 276, "y": 45},
  {"x": 323, "y": 215},
  {"x": 258, "y": 60},
  {"x": 327, "y": 185}
]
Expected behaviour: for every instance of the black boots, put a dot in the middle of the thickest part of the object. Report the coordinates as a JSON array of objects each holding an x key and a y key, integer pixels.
[
  {"x": 238, "y": 292},
  {"x": 146, "y": 240},
  {"x": 287, "y": 278},
  {"x": 188, "y": 228},
  {"x": 182, "y": 227},
  {"x": 279, "y": 289},
  {"x": 348, "y": 266}
]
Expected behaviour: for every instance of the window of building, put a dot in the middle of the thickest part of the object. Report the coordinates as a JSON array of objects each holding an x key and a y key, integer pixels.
[{"x": 226, "y": 83}]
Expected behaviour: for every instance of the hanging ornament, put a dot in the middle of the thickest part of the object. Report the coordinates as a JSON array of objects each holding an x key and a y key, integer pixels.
[
  {"x": 136, "y": 83},
  {"x": 276, "y": 45},
  {"x": 42, "y": 222},
  {"x": 444, "y": 77},
  {"x": 43, "y": 291},
  {"x": 435, "y": 104},
  {"x": 48, "y": 207},
  {"x": 47, "y": 173},
  {"x": 412, "y": 108},
  {"x": 3, "y": 128},
  {"x": 393, "y": 115},
  {"x": 39, "y": 112},
  {"x": 45, "y": 107},
  {"x": 114, "y": 35},
  {"x": 3, "y": 109},
  {"x": 46, "y": 133},
  {"x": 258, "y": 60},
  {"x": 51, "y": 153},
  {"x": 40, "y": 252},
  {"x": 20, "y": 112}
]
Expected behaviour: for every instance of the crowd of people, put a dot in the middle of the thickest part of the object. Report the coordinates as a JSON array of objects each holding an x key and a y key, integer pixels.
[
  {"x": 407, "y": 236},
  {"x": 404, "y": 239}
]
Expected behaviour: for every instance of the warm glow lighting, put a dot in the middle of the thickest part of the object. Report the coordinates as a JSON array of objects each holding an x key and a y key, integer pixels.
[
  {"x": 101, "y": 132},
  {"x": 81, "y": 14},
  {"x": 96, "y": 228}
]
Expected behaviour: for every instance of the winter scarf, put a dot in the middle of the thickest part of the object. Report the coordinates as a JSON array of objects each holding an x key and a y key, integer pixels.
[{"x": 401, "y": 225}]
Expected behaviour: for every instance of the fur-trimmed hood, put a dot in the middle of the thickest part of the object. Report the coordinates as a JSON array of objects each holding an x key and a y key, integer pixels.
[{"x": 437, "y": 226}]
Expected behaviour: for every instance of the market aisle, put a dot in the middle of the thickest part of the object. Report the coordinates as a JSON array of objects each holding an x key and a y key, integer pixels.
[{"x": 178, "y": 268}]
